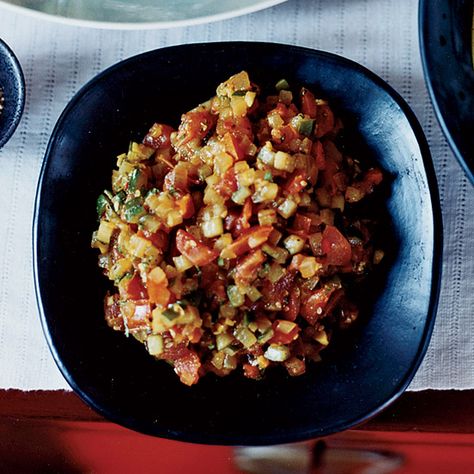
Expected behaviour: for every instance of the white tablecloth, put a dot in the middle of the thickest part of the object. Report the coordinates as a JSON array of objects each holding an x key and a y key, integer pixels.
[{"x": 58, "y": 59}]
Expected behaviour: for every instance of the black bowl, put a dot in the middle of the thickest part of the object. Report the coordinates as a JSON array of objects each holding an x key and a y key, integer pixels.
[
  {"x": 12, "y": 83},
  {"x": 446, "y": 52},
  {"x": 115, "y": 375}
]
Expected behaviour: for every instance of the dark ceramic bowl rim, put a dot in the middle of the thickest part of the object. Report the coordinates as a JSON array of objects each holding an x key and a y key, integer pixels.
[
  {"x": 19, "y": 98},
  {"x": 436, "y": 266},
  {"x": 442, "y": 92}
]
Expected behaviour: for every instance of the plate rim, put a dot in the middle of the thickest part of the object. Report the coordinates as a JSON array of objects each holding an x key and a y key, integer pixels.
[
  {"x": 19, "y": 80},
  {"x": 427, "y": 53},
  {"x": 141, "y": 25}
]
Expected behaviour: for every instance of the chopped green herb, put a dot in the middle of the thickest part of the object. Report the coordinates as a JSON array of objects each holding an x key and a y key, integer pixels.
[
  {"x": 101, "y": 205},
  {"x": 268, "y": 176},
  {"x": 220, "y": 262},
  {"x": 239, "y": 93}
]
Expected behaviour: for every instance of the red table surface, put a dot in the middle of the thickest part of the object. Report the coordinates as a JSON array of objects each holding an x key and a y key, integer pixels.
[{"x": 430, "y": 432}]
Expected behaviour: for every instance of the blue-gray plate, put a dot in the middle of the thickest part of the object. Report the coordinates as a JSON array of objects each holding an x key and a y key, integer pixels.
[
  {"x": 367, "y": 367},
  {"x": 12, "y": 85},
  {"x": 138, "y": 14},
  {"x": 446, "y": 52}
]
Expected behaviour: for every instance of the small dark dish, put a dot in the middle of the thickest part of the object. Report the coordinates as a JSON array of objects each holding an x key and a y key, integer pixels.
[
  {"x": 446, "y": 52},
  {"x": 115, "y": 375},
  {"x": 12, "y": 85}
]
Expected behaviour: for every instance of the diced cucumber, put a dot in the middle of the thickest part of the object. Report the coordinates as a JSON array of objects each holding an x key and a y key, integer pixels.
[
  {"x": 306, "y": 126},
  {"x": 170, "y": 314},
  {"x": 118, "y": 200},
  {"x": 137, "y": 180},
  {"x": 236, "y": 299},
  {"x": 282, "y": 84},
  {"x": 134, "y": 210}
]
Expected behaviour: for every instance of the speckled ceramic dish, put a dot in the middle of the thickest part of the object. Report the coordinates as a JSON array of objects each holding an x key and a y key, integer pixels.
[{"x": 12, "y": 90}]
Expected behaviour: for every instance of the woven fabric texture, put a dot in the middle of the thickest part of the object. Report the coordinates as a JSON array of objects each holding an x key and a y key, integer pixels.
[{"x": 58, "y": 59}]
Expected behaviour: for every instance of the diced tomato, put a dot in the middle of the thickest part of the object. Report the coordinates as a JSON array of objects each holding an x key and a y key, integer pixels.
[
  {"x": 308, "y": 103},
  {"x": 324, "y": 120},
  {"x": 194, "y": 250},
  {"x": 317, "y": 151},
  {"x": 296, "y": 262},
  {"x": 278, "y": 291},
  {"x": 177, "y": 179},
  {"x": 159, "y": 295},
  {"x": 209, "y": 274},
  {"x": 340, "y": 180},
  {"x": 186, "y": 206},
  {"x": 140, "y": 318},
  {"x": 312, "y": 170},
  {"x": 286, "y": 112},
  {"x": 228, "y": 184},
  {"x": 296, "y": 182},
  {"x": 283, "y": 136},
  {"x": 231, "y": 220},
  {"x": 235, "y": 222},
  {"x": 113, "y": 316},
  {"x": 243, "y": 222},
  {"x": 135, "y": 288},
  {"x": 240, "y": 129},
  {"x": 251, "y": 238},
  {"x": 335, "y": 299},
  {"x": 233, "y": 146},
  {"x": 315, "y": 243},
  {"x": 216, "y": 291},
  {"x": 235, "y": 125},
  {"x": 186, "y": 364},
  {"x": 251, "y": 371},
  {"x": 302, "y": 223},
  {"x": 195, "y": 125},
  {"x": 246, "y": 270},
  {"x": 327, "y": 181},
  {"x": 312, "y": 308},
  {"x": 293, "y": 307},
  {"x": 295, "y": 366},
  {"x": 284, "y": 332},
  {"x": 335, "y": 246},
  {"x": 159, "y": 238},
  {"x": 371, "y": 178},
  {"x": 158, "y": 136},
  {"x": 349, "y": 311},
  {"x": 157, "y": 285}
]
